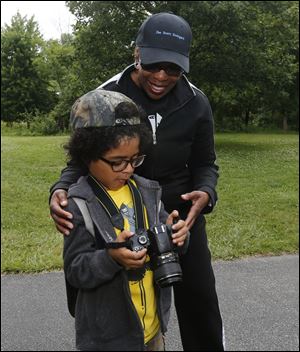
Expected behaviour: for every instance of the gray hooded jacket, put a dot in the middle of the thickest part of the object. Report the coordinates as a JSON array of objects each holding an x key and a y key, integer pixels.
[{"x": 105, "y": 317}]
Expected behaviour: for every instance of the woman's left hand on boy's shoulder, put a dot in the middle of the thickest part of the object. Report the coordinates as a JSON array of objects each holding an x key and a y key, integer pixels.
[{"x": 180, "y": 230}]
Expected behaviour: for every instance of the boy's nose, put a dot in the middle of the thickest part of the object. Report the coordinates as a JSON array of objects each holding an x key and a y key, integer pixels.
[{"x": 129, "y": 169}]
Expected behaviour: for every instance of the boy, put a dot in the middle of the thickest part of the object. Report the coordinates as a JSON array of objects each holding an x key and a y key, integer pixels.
[{"x": 119, "y": 305}]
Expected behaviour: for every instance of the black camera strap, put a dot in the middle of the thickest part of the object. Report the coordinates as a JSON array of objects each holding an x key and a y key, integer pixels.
[
  {"x": 113, "y": 211},
  {"x": 140, "y": 221}
]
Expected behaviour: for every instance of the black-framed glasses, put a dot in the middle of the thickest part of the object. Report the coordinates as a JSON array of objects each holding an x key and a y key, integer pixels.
[
  {"x": 120, "y": 165},
  {"x": 169, "y": 68}
]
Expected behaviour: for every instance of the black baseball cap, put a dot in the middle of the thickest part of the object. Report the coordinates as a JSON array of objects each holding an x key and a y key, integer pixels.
[{"x": 165, "y": 37}]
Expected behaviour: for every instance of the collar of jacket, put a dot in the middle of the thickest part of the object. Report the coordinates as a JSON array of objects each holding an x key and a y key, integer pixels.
[
  {"x": 81, "y": 188},
  {"x": 149, "y": 189}
]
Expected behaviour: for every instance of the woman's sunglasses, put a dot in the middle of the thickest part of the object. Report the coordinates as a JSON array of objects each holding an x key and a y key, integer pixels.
[{"x": 170, "y": 69}]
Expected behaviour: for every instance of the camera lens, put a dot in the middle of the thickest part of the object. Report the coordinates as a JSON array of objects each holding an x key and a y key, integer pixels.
[
  {"x": 142, "y": 240},
  {"x": 167, "y": 274}
]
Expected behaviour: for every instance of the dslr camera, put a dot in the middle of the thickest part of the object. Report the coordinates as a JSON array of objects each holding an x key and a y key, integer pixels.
[{"x": 164, "y": 259}]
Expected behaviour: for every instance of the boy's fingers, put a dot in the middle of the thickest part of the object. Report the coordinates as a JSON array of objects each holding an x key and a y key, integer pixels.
[{"x": 124, "y": 235}]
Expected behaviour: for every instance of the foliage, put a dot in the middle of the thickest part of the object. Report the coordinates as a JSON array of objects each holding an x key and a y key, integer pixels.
[
  {"x": 60, "y": 57},
  {"x": 24, "y": 87},
  {"x": 104, "y": 34},
  {"x": 41, "y": 124},
  {"x": 244, "y": 57},
  {"x": 37, "y": 124},
  {"x": 244, "y": 53}
]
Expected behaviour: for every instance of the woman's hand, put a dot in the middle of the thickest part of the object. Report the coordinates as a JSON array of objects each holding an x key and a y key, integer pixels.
[
  {"x": 199, "y": 201},
  {"x": 60, "y": 216}
]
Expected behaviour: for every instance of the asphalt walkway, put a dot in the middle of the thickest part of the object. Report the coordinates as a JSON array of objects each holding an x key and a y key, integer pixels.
[{"x": 259, "y": 301}]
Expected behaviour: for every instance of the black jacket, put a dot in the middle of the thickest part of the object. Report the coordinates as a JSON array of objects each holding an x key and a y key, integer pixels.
[{"x": 183, "y": 158}]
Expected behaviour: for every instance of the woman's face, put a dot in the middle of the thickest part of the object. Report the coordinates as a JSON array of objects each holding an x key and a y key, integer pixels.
[
  {"x": 155, "y": 82},
  {"x": 128, "y": 149}
]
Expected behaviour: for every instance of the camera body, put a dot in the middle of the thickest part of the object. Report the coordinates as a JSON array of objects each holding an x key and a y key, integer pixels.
[
  {"x": 163, "y": 255},
  {"x": 138, "y": 241}
]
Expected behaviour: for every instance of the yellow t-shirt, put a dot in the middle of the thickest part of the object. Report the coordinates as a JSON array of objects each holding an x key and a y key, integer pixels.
[{"x": 140, "y": 281}]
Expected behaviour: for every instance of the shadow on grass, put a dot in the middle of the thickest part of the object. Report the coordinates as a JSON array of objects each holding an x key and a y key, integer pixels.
[{"x": 246, "y": 147}]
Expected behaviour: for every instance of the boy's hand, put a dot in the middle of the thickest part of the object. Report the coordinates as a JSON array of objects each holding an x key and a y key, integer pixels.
[
  {"x": 124, "y": 256},
  {"x": 60, "y": 217},
  {"x": 180, "y": 229}
]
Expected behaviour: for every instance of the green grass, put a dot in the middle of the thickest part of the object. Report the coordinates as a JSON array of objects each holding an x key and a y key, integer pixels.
[
  {"x": 29, "y": 238},
  {"x": 18, "y": 129},
  {"x": 257, "y": 211}
]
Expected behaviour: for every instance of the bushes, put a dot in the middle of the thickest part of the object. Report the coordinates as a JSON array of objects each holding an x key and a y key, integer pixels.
[
  {"x": 34, "y": 124},
  {"x": 44, "y": 124}
]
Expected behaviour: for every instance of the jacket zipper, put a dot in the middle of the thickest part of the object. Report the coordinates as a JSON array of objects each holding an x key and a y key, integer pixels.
[
  {"x": 158, "y": 305},
  {"x": 154, "y": 138},
  {"x": 153, "y": 128},
  {"x": 132, "y": 306},
  {"x": 143, "y": 300}
]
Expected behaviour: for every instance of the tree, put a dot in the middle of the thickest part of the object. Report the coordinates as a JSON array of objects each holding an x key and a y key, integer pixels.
[
  {"x": 104, "y": 33},
  {"x": 244, "y": 54},
  {"x": 58, "y": 60},
  {"x": 281, "y": 95},
  {"x": 24, "y": 87}
]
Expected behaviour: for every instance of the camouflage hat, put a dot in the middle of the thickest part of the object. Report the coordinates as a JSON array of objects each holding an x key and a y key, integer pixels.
[{"x": 97, "y": 108}]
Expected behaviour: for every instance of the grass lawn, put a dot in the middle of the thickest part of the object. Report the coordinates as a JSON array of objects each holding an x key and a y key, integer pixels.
[
  {"x": 257, "y": 211},
  {"x": 258, "y": 208}
]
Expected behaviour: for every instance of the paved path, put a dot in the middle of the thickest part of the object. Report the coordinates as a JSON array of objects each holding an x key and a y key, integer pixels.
[{"x": 259, "y": 300}]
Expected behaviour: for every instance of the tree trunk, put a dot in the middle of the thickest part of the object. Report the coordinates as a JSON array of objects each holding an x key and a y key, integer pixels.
[
  {"x": 285, "y": 123},
  {"x": 247, "y": 117}
]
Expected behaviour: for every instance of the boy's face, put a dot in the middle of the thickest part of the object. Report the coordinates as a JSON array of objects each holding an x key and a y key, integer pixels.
[{"x": 128, "y": 149}]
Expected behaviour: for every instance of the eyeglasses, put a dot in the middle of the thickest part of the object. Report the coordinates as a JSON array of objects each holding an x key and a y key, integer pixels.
[
  {"x": 170, "y": 69},
  {"x": 121, "y": 165}
]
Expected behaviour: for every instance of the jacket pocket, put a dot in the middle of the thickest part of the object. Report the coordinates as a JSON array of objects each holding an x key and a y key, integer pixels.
[{"x": 105, "y": 313}]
